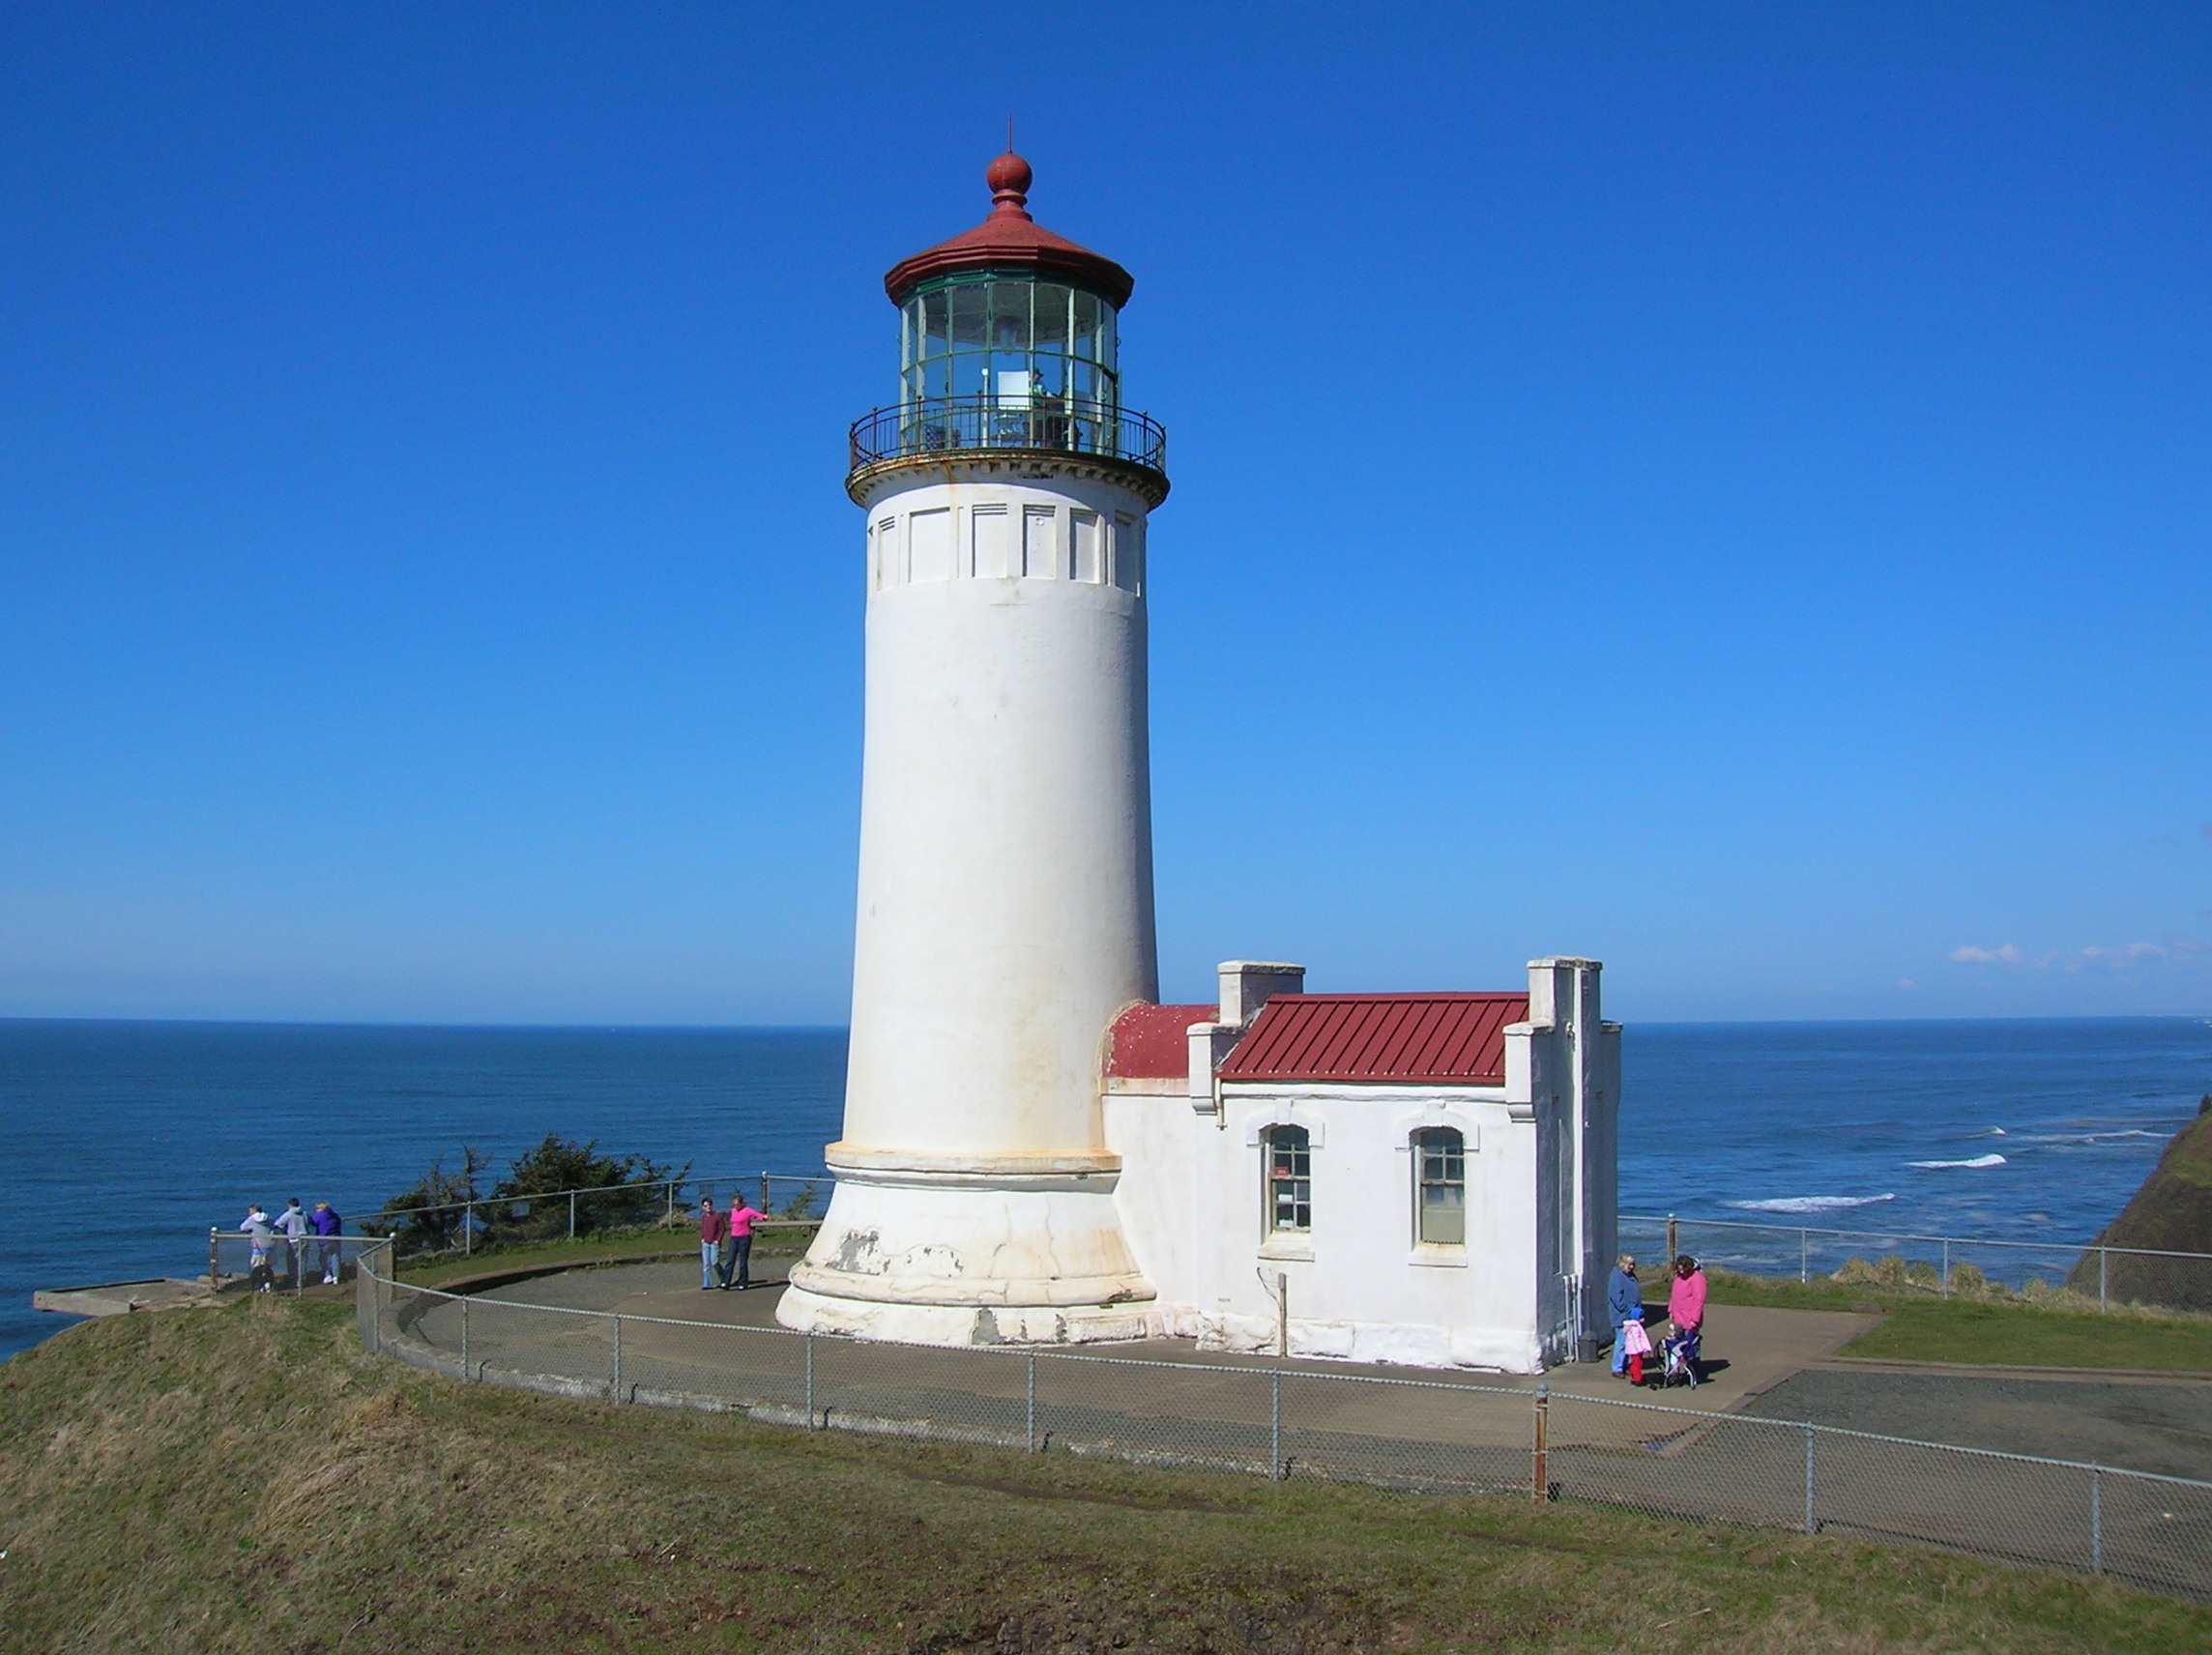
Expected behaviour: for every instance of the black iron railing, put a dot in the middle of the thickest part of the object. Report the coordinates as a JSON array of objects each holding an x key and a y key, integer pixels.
[{"x": 955, "y": 424}]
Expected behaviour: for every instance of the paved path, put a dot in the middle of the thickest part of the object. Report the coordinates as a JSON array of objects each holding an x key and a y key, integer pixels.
[
  {"x": 2132, "y": 1421},
  {"x": 1721, "y": 1451}
]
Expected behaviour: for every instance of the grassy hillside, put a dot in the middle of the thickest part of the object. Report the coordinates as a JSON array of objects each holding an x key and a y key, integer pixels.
[{"x": 245, "y": 1479}]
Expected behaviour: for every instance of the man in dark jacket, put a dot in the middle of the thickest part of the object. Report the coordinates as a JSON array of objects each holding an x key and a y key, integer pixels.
[{"x": 1623, "y": 1303}]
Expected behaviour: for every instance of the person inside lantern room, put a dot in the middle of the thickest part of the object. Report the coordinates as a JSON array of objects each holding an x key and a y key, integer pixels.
[
  {"x": 1686, "y": 1296},
  {"x": 1623, "y": 1303},
  {"x": 713, "y": 1228},
  {"x": 738, "y": 1255}
]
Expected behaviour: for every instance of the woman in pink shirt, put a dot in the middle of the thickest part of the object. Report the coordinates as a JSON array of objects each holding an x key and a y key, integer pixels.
[
  {"x": 737, "y": 1265},
  {"x": 1686, "y": 1297}
]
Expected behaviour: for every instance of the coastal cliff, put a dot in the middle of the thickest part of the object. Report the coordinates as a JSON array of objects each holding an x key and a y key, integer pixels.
[{"x": 2171, "y": 1213}]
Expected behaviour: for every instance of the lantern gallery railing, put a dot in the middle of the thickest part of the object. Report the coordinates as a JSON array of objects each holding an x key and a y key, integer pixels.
[{"x": 1036, "y": 423}]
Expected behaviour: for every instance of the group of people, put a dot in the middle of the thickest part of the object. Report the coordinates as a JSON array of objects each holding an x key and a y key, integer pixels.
[
  {"x": 726, "y": 1245},
  {"x": 281, "y": 1246},
  {"x": 1624, "y": 1309}
]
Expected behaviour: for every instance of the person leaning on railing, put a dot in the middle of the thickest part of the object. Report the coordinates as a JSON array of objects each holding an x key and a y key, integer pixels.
[
  {"x": 737, "y": 1251},
  {"x": 325, "y": 1222}
]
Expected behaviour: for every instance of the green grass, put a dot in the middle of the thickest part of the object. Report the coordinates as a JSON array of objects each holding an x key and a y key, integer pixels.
[
  {"x": 629, "y": 1246},
  {"x": 244, "y": 1477},
  {"x": 2023, "y": 1336},
  {"x": 2050, "y": 1331}
]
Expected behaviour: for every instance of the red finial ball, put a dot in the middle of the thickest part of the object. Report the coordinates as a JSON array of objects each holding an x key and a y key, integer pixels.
[{"x": 1009, "y": 180}]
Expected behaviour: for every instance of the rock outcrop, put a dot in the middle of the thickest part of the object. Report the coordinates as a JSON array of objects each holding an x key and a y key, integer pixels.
[{"x": 2171, "y": 1213}]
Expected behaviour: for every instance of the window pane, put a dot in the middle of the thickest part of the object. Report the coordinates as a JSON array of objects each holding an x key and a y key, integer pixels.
[
  {"x": 1439, "y": 1192},
  {"x": 970, "y": 316},
  {"x": 1290, "y": 1178},
  {"x": 1087, "y": 325},
  {"x": 1010, "y": 315},
  {"x": 1051, "y": 317},
  {"x": 1109, "y": 342},
  {"x": 933, "y": 324}
]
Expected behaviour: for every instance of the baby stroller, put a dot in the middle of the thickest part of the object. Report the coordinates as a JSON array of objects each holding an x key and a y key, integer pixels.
[{"x": 1678, "y": 1356}]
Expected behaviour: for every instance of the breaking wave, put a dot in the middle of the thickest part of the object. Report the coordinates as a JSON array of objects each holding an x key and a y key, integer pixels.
[
  {"x": 1975, "y": 1161},
  {"x": 1812, "y": 1203},
  {"x": 2096, "y": 1137}
]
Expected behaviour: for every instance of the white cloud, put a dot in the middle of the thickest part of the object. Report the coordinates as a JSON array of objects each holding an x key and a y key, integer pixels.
[
  {"x": 1907, "y": 985},
  {"x": 2009, "y": 954}
]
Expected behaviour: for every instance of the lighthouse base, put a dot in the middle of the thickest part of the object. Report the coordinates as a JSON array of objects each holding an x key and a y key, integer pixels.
[{"x": 1023, "y": 1250}]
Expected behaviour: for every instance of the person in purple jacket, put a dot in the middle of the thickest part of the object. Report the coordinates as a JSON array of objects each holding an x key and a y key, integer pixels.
[{"x": 325, "y": 1222}]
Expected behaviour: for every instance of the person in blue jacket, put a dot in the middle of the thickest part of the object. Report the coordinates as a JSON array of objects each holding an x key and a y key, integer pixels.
[{"x": 1623, "y": 1303}]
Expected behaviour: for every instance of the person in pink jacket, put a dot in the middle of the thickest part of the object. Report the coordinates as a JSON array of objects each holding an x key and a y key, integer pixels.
[{"x": 1686, "y": 1297}]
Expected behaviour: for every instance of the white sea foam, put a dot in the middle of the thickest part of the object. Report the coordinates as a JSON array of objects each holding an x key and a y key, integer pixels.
[
  {"x": 1811, "y": 1202},
  {"x": 1993, "y": 1132},
  {"x": 1976, "y": 1161},
  {"x": 2096, "y": 1137}
]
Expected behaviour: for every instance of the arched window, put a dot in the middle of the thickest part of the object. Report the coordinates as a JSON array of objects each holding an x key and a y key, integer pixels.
[
  {"x": 1440, "y": 1186},
  {"x": 1290, "y": 1178}
]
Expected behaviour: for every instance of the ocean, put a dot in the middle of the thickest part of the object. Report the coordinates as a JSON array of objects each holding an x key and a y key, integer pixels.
[{"x": 126, "y": 1141}]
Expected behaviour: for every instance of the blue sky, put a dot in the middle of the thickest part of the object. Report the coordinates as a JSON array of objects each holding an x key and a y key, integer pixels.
[{"x": 1721, "y": 489}]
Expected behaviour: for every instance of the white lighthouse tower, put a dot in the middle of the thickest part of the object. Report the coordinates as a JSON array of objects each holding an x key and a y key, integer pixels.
[{"x": 1006, "y": 881}]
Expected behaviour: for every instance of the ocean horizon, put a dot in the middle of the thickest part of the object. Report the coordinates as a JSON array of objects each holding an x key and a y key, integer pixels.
[{"x": 134, "y": 1137}]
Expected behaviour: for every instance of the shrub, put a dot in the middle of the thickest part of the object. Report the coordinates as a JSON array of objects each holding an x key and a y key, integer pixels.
[
  {"x": 559, "y": 1164},
  {"x": 1890, "y": 1273},
  {"x": 1855, "y": 1272},
  {"x": 1969, "y": 1282},
  {"x": 446, "y": 1197}
]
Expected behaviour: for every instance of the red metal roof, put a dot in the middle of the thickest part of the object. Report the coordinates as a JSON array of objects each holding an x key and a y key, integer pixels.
[
  {"x": 1149, "y": 1041},
  {"x": 1009, "y": 238},
  {"x": 1401, "y": 1037}
]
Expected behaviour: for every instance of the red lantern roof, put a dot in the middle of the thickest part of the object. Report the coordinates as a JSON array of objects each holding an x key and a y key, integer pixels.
[{"x": 1009, "y": 238}]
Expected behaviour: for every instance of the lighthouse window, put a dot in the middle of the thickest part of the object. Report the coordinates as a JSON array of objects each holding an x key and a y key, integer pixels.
[
  {"x": 1128, "y": 553},
  {"x": 1023, "y": 348},
  {"x": 1440, "y": 1186},
  {"x": 1290, "y": 1178},
  {"x": 929, "y": 544},
  {"x": 1040, "y": 542},
  {"x": 1084, "y": 558},
  {"x": 988, "y": 540}
]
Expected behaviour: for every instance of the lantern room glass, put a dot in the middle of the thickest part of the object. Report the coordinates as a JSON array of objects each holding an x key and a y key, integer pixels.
[{"x": 1018, "y": 346}]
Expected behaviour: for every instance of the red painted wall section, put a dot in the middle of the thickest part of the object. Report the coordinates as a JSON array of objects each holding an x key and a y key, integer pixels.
[{"x": 1149, "y": 1041}]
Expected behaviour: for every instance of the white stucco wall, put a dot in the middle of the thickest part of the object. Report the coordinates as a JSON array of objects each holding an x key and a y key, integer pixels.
[
  {"x": 1192, "y": 1195},
  {"x": 1005, "y": 911}
]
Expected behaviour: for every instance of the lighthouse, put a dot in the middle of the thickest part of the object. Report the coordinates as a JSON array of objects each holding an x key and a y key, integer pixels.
[{"x": 1005, "y": 916}]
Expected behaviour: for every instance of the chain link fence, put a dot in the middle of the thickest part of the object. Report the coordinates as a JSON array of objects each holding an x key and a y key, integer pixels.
[
  {"x": 2103, "y": 1278},
  {"x": 1432, "y": 1433}
]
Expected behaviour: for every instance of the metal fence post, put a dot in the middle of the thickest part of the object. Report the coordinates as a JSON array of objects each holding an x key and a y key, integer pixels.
[
  {"x": 763, "y": 1192},
  {"x": 1804, "y": 1256},
  {"x": 2103, "y": 1259},
  {"x": 1031, "y": 1425},
  {"x": 1275, "y": 1425},
  {"x": 1946, "y": 1267},
  {"x": 1811, "y": 1524},
  {"x": 616, "y": 1396},
  {"x": 1672, "y": 1252},
  {"x": 1540, "y": 1460},
  {"x": 464, "y": 1336},
  {"x": 671, "y": 1219},
  {"x": 572, "y": 1215},
  {"x": 213, "y": 1263},
  {"x": 2096, "y": 1520},
  {"x": 468, "y": 1228},
  {"x": 809, "y": 1380}
]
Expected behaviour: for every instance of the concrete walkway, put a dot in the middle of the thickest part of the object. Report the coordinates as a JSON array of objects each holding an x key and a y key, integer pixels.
[
  {"x": 1736, "y": 1448},
  {"x": 1749, "y": 1351}
]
